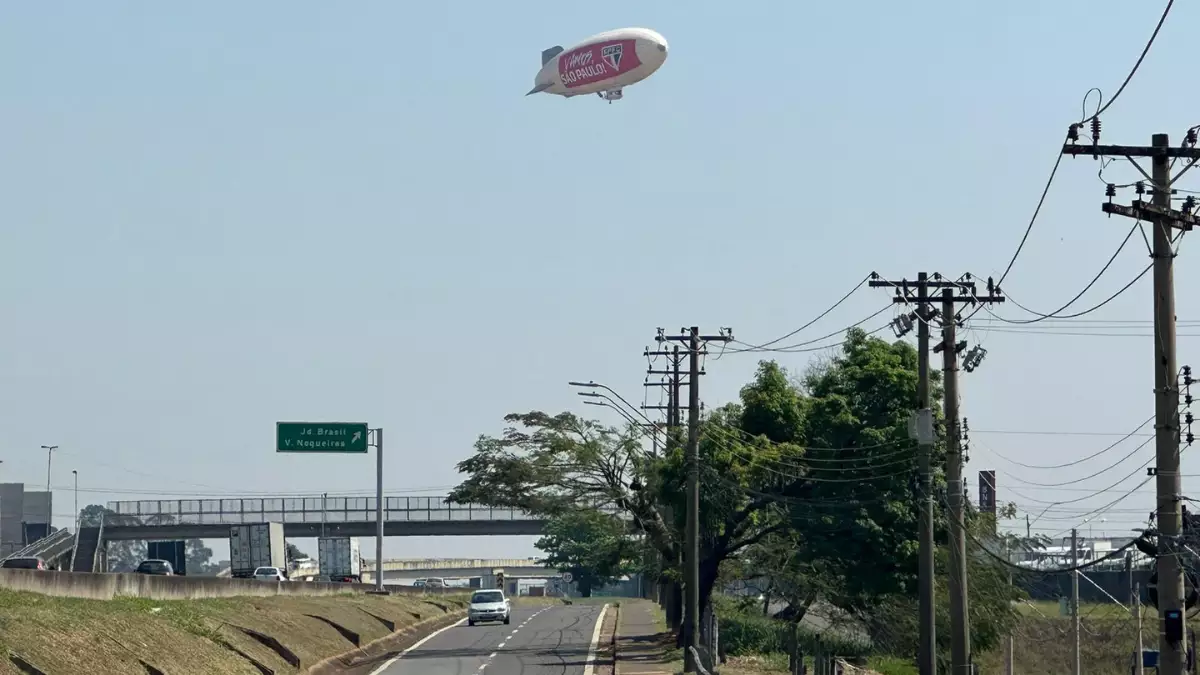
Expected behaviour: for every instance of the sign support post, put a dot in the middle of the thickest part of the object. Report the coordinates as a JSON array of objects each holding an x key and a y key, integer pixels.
[
  {"x": 339, "y": 438},
  {"x": 379, "y": 509}
]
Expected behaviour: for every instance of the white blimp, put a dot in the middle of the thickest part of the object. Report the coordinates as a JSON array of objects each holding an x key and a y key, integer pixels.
[{"x": 603, "y": 64}]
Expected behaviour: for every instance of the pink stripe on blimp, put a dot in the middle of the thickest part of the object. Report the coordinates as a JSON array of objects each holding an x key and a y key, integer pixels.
[{"x": 596, "y": 62}]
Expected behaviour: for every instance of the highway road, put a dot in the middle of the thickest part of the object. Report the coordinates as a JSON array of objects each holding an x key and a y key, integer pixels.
[{"x": 557, "y": 640}]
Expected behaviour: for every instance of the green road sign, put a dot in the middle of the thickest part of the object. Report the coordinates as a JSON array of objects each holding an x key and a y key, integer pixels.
[{"x": 320, "y": 437}]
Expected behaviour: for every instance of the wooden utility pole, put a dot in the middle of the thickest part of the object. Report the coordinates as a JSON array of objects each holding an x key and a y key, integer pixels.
[
  {"x": 1164, "y": 220},
  {"x": 691, "y": 554},
  {"x": 918, "y": 294}
]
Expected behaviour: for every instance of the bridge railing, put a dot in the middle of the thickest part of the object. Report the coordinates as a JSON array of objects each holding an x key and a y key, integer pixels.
[{"x": 331, "y": 509}]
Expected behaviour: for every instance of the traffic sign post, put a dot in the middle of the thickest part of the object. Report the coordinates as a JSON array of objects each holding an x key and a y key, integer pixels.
[
  {"x": 339, "y": 438},
  {"x": 335, "y": 437}
]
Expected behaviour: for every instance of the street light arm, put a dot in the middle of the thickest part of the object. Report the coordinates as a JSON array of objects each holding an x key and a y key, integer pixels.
[
  {"x": 653, "y": 431},
  {"x": 612, "y": 391},
  {"x": 628, "y": 418}
]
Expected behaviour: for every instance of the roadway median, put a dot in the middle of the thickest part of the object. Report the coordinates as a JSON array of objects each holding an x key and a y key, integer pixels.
[{"x": 253, "y": 634}]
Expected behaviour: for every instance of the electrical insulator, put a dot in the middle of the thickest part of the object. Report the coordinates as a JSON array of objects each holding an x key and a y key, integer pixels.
[
  {"x": 1139, "y": 187},
  {"x": 1095, "y": 130},
  {"x": 1191, "y": 136},
  {"x": 1110, "y": 191},
  {"x": 1189, "y": 204},
  {"x": 1073, "y": 133}
]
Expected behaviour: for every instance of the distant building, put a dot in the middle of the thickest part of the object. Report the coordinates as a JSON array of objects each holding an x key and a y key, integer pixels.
[
  {"x": 24, "y": 517},
  {"x": 1057, "y": 555}
]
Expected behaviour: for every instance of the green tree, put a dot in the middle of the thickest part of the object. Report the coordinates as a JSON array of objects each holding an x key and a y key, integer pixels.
[
  {"x": 123, "y": 556},
  {"x": 294, "y": 552},
  {"x": 824, "y": 469},
  {"x": 199, "y": 559},
  {"x": 593, "y": 546}
]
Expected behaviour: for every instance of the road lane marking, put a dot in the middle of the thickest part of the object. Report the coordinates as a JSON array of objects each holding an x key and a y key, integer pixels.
[
  {"x": 499, "y": 646},
  {"x": 418, "y": 643},
  {"x": 591, "y": 656}
]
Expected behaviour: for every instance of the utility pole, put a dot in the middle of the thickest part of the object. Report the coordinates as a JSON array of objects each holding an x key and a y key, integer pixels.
[
  {"x": 1137, "y": 606},
  {"x": 691, "y": 622},
  {"x": 1169, "y": 488},
  {"x": 673, "y": 385},
  {"x": 1075, "y": 665},
  {"x": 918, "y": 294},
  {"x": 960, "y": 627},
  {"x": 1008, "y": 639}
]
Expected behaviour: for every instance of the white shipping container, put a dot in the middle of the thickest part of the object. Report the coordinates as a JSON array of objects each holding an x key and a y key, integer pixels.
[
  {"x": 339, "y": 557},
  {"x": 254, "y": 546}
]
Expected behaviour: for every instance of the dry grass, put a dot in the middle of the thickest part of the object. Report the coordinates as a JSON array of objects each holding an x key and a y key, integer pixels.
[
  {"x": 1043, "y": 645},
  {"x": 65, "y": 635}
]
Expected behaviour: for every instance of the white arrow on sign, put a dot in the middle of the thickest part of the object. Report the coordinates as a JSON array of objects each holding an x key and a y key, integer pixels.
[
  {"x": 567, "y": 577},
  {"x": 357, "y": 435}
]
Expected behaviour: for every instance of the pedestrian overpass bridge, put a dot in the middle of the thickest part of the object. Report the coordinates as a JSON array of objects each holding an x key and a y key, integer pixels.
[
  {"x": 332, "y": 515},
  {"x": 464, "y": 568}
]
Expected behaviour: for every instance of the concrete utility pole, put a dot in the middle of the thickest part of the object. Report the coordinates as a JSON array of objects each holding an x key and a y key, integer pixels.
[
  {"x": 1137, "y": 606},
  {"x": 1075, "y": 603},
  {"x": 1169, "y": 488},
  {"x": 691, "y": 623},
  {"x": 960, "y": 626},
  {"x": 673, "y": 383},
  {"x": 918, "y": 294},
  {"x": 1008, "y": 640}
]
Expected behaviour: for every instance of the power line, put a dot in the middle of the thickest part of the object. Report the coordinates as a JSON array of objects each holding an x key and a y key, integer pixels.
[
  {"x": 1078, "y": 461},
  {"x": 820, "y": 316}
]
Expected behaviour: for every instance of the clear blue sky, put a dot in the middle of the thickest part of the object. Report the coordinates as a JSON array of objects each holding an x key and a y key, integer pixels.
[{"x": 215, "y": 217}]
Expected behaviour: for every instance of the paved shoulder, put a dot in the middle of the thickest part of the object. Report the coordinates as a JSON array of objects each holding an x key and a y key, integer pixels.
[{"x": 554, "y": 640}]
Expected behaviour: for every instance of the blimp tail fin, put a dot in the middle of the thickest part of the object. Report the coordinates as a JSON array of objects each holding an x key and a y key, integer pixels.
[{"x": 550, "y": 53}]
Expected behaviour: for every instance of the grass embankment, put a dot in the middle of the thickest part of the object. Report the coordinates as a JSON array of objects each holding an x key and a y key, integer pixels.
[{"x": 64, "y": 636}]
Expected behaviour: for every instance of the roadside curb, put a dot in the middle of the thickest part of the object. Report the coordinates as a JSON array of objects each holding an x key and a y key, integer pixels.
[
  {"x": 380, "y": 650},
  {"x": 606, "y": 650}
]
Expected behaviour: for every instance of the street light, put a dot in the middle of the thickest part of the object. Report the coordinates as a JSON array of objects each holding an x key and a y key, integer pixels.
[
  {"x": 75, "y": 474},
  {"x": 49, "y": 453},
  {"x": 49, "y": 493}
]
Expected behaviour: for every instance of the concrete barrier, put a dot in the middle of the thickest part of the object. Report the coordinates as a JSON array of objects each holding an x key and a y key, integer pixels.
[{"x": 108, "y": 586}]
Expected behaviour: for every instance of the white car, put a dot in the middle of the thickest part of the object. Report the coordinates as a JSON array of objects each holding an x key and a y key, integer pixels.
[
  {"x": 488, "y": 605},
  {"x": 269, "y": 574}
]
